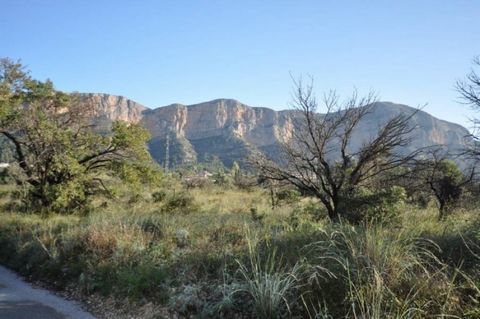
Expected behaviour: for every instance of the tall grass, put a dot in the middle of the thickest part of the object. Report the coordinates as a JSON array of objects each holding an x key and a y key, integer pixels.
[
  {"x": 201, "y": 261},
  {"x": 269, "y": 283},
  {"x": 389, "y": 274}
]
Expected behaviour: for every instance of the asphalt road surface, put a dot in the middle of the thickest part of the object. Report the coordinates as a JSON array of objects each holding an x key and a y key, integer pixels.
[{"x": 19, "y": 300}]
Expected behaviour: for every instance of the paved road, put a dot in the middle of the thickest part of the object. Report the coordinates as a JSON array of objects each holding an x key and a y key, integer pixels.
[{"x": 19, "y": 300}]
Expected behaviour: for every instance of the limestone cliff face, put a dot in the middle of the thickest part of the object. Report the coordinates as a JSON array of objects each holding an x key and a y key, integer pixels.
[
  {"x": 224, "y": 128},
  {"x": 258, "y": 126},
  {"x": 232, "y": 130},
  {"x": 110, "y": 108},
  {"x": 428, "y": 129}
]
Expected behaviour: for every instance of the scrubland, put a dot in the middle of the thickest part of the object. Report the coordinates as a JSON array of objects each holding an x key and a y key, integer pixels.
[{"x": 223, "y": 252}]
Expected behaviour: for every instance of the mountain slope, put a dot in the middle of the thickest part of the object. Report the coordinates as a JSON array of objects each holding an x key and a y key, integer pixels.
[
  {"x": 224, "y": 128},
  {"x": 231, "y": 130}
]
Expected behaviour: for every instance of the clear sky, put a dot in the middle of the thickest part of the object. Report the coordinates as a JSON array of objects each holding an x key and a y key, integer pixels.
[{"x": 161, "y": 52}]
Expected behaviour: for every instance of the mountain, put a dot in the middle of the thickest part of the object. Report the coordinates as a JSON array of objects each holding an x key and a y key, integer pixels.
[
  {"x": 110, "y": 108},
  {"x": 231, "y": 130}
]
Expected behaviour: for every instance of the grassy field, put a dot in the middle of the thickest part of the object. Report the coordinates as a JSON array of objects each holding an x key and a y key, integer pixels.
[{"x": 221, "y": 252}]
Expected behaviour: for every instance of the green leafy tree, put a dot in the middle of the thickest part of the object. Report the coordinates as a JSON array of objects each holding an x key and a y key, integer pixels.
[
  {"x": 60, "y": 154},
  {"x": 444, "y": 180}
]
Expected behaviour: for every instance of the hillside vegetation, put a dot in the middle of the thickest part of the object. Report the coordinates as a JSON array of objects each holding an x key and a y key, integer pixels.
[
  {"x": 219, "y": 251},
  {"x": 326, "y": 230}
]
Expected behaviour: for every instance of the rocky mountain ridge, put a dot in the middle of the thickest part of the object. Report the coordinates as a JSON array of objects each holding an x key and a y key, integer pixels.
[{"x": 231, "y": 130}]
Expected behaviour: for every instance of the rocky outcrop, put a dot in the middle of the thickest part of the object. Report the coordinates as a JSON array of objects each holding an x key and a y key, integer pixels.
[
  {"x": 110, "y": 108},
  {"x": 428, "y": 130},
  {"x": 232, "y": 130},
  {"x": 114, "y": 107},
  {"x": 224, "y": 128}
]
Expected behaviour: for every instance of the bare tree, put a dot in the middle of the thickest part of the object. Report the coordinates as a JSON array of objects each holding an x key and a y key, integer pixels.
[
  {"x": 469, "y": 90},
  {"x": 320, "y": 159}
]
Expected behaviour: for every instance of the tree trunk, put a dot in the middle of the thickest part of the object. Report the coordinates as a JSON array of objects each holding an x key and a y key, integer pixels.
[
  {"x": 333, "y": 214},
  {"x": 441, "y": 210},
  {"x": 272, "y": 197}
]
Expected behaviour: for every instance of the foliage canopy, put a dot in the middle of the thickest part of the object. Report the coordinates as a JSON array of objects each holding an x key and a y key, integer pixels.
[{"x": 60, "y": 155}]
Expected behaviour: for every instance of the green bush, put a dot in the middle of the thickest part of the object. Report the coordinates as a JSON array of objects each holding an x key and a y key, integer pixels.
[
  {"x": 315, "y": 210},
  {"x": 145, "y": 279},
  {"x": 151, "y": 224},
  {"x": 421, "y": 199},
  {"x": 181, "y": 202},
  {"x": 4, "y": 176},
  {"x": 289, "y": 195},
  {"x": 159, "y": 196},
  {"x": 256, "y": 216},
  {"x": 135, "y": 198},
  {"x": 366, "y": 205}
]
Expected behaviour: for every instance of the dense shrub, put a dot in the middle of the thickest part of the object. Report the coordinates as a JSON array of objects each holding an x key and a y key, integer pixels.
[
  {"x": 365, "y": 205},
  {"x": 256, "y": 215},
  {"x": 180, "y": 202},
  {"x": 421, "y": 199},
  {"x": 152, "y": 225},
  {"x": 315, "y": 210},
  {"x": 159, "y": 196},
  {"x": 288, "y": 195},
  {"x": 230, "y": 261},
  {"x": 4, "y": 176}
]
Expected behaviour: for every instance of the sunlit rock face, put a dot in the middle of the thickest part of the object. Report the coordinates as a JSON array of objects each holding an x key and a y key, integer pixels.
[
  {"x": 224, "y": 128},
  {"x": 114, "y": 107},
  {"x": 232, "y": 130},
  {"x": 108, "y": 108},
  {"x": 428, "y": 130}
]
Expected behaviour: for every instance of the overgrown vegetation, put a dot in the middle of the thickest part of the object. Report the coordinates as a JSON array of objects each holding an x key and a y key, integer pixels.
[
  {"x": 57, "y": 150},
  {"x": 321, "y": 158},
  {"x": 210, "y": 256},
  {"x": 319, "y": 238}
]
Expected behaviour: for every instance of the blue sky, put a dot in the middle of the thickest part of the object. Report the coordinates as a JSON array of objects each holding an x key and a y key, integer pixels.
[{"x": 161, "y": 52}]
